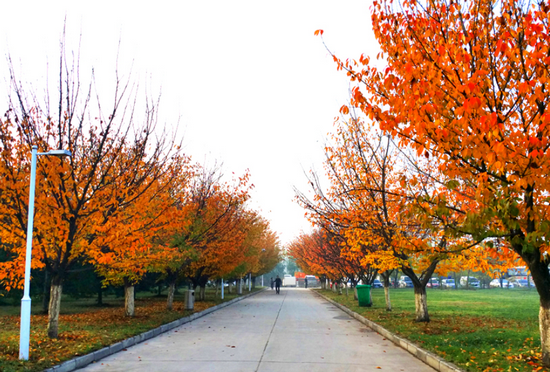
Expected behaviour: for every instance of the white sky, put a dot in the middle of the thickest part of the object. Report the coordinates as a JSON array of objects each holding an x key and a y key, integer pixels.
[{"x": 247, "y": 81}]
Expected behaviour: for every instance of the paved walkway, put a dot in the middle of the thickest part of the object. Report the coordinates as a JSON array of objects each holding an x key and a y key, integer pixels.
[{"x": 291, "y": 332}]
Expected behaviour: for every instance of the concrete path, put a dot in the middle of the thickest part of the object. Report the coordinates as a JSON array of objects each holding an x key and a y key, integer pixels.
[{"x": 295, "y": 331}]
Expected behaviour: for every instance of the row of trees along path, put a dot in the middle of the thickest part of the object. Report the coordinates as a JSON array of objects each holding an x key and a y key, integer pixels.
[
  {"x": 128, "y": 201},
  {"x": 450, "y": 166}
]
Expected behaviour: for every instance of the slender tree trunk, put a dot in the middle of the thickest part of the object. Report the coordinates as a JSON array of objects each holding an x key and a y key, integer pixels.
[
  {"x": 230, "y": 287},
  {"x": 456, "y": 283},
  {"x": 54, "y": 307},
  {"x": 387, "y": 297},
  {"x": 421, "y": 304},
  {"x": 240, "y": 286},
  {"x": 170, "y": 297},
  {"x": 370, "y": 297},
  {"x": 100, "y": 294},
  {"x": 46, "y": 292},
  {"x": 387, "y": 285},
  {"x": 129, "y": 307},
  {"x": 202, "y": 292},
  {"x": 253, "y": 282}
]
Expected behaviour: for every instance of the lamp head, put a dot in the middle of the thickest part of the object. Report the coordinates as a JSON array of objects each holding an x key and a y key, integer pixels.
[{"x": 59, "y": 153}]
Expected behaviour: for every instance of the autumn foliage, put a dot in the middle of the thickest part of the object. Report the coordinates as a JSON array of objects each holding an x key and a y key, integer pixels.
[
  {"x": 127, "y": 202},
  {"x": 464, "y": 84}
]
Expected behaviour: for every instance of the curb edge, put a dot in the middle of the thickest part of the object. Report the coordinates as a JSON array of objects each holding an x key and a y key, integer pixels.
[
  {"x": 94, "y": 356},
  {"x": 425, "y": 356}
]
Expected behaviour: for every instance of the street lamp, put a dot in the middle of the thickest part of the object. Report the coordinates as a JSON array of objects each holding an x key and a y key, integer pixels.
[{"x": 25, "y": 330}]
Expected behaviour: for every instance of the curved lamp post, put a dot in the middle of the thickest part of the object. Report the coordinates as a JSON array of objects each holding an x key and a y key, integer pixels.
[{"x": 25, "y": 330}]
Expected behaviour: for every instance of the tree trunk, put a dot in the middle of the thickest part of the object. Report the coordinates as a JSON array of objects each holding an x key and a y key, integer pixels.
[
  {"x": 456, "y": 283},
  {"x": 100, "y": 294},
  {"x": 253, "y": 282},
  {"x": 421, "y": 304},
  {"x": 202, "y": 292},
  {"x": 129, "y": 307},
  {"x": 239, "y": 286},
  {"x": 541, "y": 277},
  {"x": 544, "y": 328},
  {"x": 54, "y": 308},
  {"x": 387, "y": 297},
  {"x": 370, "y": 297},
  {"x": 46, "y": 294},
  {"x": 170, "y": 298},
  {"x": 387, "y": 283},
  {"x": 230, "y": 287}
]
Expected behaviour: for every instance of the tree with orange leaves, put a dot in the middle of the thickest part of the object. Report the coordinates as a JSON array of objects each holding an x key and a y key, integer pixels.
[
  {"x": 134, "y": 241},
  {"x": 205, "y": 237},
  {"x": 466, "y": 83},
  {"x": 260, "y": 247},
  {"x": 115, "y": 164},
  {"x": 374, "y": 204}
]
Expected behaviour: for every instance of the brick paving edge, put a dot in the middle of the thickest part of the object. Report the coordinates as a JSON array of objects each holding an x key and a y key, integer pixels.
[
  {"x": 430, "y": 359},
  {"x": 84, "y": 360}
]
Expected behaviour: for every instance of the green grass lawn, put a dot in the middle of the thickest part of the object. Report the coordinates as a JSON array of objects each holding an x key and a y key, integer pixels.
[
  {"x": 85, "y": 327},
  {"x": 478, "y": 330}
]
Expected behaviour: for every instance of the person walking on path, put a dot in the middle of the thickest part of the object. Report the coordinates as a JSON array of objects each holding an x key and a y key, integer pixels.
[
  {"x": 272, "y": 283},
  {"x": 278, "y": 283}
]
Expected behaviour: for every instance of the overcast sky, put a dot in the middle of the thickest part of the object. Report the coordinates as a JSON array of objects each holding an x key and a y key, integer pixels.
[{"x": 246, "y": 82}]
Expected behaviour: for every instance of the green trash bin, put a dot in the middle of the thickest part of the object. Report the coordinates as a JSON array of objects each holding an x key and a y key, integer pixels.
[{"x": 363, "y": 294}]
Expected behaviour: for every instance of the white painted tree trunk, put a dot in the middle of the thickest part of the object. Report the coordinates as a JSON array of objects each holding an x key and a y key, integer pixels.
[
  {"x": 129, "y": 307},
  {"x": 230, "y": 287},
  {"x": 421, "y": 305},
  {"x": 355, "y": 296},
  {"x": 544, "y": 327},
  {"x": 170, "y": 300},
  {"x": 387, "y": 296},
  {"x": 53, "y": 310}
]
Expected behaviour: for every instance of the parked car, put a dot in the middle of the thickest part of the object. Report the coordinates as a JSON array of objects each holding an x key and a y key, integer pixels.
[
  {"x": 472, "y": 282},
  {"x": 405, "y": 282},
  {"x": 495, "y": 283},
  {"x": 522, "y": 283},
  {"x": 433, "y": 283},
  {"x": 448, "y": 283},
  {"x": 377, "y": 284},
  {"x": 312, "y": 281}
]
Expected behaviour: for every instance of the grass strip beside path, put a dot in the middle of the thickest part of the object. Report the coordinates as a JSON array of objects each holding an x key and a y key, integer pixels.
[
  {"x": 85, "y": 328},
  {"x": 478, "y": 330}
]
